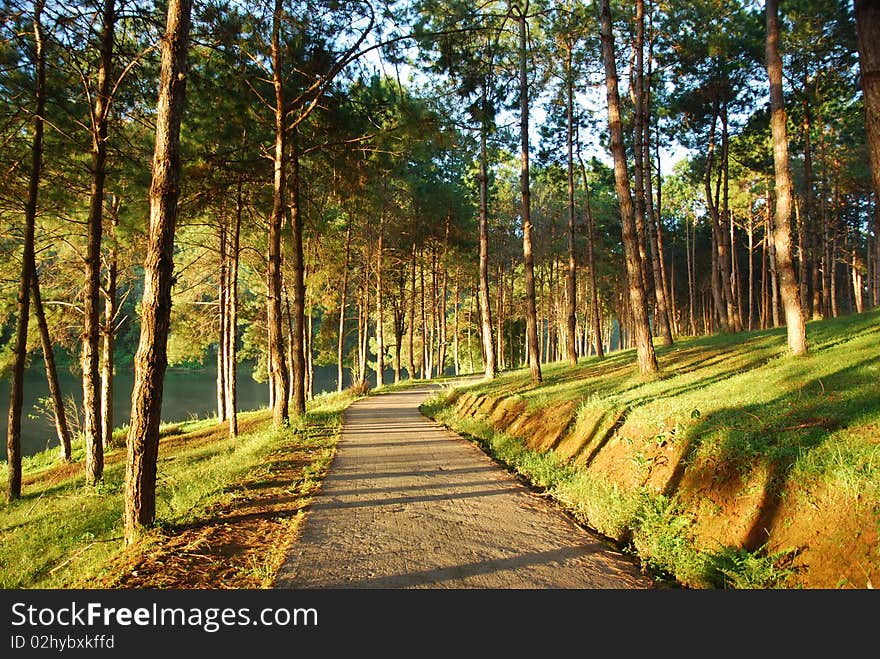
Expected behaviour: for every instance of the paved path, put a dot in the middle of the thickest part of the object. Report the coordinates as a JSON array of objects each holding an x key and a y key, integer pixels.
[{"x": 408, "y": 504}]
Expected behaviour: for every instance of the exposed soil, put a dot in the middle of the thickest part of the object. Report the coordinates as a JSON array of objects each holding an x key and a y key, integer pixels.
[
  {"x": 825, "y": 539},
  {"x": 241, "y": 542}
]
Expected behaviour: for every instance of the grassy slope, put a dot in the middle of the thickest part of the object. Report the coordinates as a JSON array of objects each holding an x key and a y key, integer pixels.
[
  {"x": 740, "y": 466},
  {"x": 65, "y": 534}
]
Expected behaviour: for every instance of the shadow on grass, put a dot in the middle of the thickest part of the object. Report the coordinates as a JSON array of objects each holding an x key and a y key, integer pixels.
[{"x": 772, "y": 436}]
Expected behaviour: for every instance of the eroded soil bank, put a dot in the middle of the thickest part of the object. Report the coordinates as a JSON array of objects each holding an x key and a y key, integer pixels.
[{"x": 829, "y": 540}]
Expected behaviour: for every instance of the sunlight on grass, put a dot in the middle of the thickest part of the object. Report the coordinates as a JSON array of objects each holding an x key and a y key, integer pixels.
[{"x": 62, "y": 532}]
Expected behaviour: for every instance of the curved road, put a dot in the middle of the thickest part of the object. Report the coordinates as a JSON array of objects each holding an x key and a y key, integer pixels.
[{"x": 408, "y": 504}]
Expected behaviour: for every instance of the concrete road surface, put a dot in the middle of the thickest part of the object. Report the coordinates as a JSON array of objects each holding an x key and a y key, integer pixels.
[{"x": 408, "y": 504}]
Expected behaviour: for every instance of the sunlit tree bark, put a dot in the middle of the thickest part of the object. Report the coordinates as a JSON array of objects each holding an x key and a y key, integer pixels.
[
  {"x": 16, "y": 389},
  {"x": 788, "y": 288},
  {"x": 644, "y": 343},
  {"x": 151, "y": 358}
]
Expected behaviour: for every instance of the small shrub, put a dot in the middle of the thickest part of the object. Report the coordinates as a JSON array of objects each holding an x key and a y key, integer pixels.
[{"x": 737, "y": 568}]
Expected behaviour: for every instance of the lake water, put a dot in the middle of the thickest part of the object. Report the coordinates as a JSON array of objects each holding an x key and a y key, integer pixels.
[{"x": 188, "y": 393}]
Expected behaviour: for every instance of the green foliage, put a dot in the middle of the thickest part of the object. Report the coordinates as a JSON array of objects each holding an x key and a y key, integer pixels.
[{"x": 736, "y": 568}]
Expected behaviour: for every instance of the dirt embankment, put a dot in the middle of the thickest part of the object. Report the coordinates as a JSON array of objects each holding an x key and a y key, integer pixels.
[{"x": 832, "y": 539}]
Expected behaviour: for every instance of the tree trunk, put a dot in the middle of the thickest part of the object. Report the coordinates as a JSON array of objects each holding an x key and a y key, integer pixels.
[
  {"x": 525, "y": 194},
  {"x": 662, "y": 314},
  {"x": 91, "y": 349},
  {"x": 222, "y": 308},
  {"x": 692, "y": 323},
  {"x": 868, "y": 29},
  {"x": 16, "y": 388},
  {"x": 151, "y": 358},
  {"x": 806, "y": 232},
  {"x": 308, "y": 333},
  {"x": 797, "y": 339},
  {"x": 499, "y": 320},
  {"x": 298, "y": 383},
  {"x": 751, "y": 234},
  {"x": 444, "y": 290},
  {"x": 571, "y": 280},
  {"x": 363, "y": 323},
  {"x": 340, "y": 342},
  {"x": 773, "y": 296},
  {"x": 380, "y": 336},
  {"x": 108, "y": 332},
  {"x": 712, "y": 203},
  {"x": 834, "y": 225},
  {"x": 411, "y": 358},
  {"x": 455, "y": 342},
  {"x": 489, "y": 367},
  {"x": 278, "y": 373},
  {"x": 61, "y": 427},
  {"x": 644, "y": 345},
  {"x": 637, "y": 88},
  {"x": 232, "y": 319},
  {"x": 724, "y": 234}
]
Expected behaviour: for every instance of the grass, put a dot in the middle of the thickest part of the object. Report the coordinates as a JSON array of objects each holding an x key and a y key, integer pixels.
[
  {"x": 734, "y": 408},
  {"x": 63, "y": 533}
]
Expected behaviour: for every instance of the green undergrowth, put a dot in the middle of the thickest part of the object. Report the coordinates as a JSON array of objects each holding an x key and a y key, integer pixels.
[
  {"x": 62, "y": 532},
  {"x": 738, "y": 402}
]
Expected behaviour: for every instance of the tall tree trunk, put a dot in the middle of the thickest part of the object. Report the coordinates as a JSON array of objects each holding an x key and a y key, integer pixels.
[
  {"x": 571, "y": 279},
  {"x": 380, "y": 335},
  {"x": 712, "y": 203},
  {"x": 797, "y": 338},
  {"x": 856, "y": 274},
  {"x": 834, "y": 224},
  {"x": 308, "y": 333},
  {"x": 489, "y": 367},
  {"x": 525, "y": 194},
  {"x": 499, "y": 320},
  {"x": 16, "y": 386},
  {"x": 868, "y": 30},
  {"x": 725, "y": 232},
  {"x": 773, "y": 298},
  {"x": 802, "y": 270},
  {"x": 222, "y": 309},
  {"x": 688, "y": 237},
  {"x": 151, "y": 358},
  {"x": 637, "y": 89},
  {"x": 426, "y": 351},
  {"x": 91, "y": 349},
  {"x": 644, "y": 345},
  {"x": 340, "y": 341},
  {"x": 232, "y": 322},
  {"x": 751, "y": 233},
  {"x": 108, "y": 331},
  {"x": 363, "y": 322},
  {"x": 806, "y": 232},
  {"x": 298, "y": 383},
  {"x": 455, "y": 341},
  {"x": 661, "y": 315},
  {"x": 411, "y": 359},
  {"x": 278, "y": 372},
  {"x": 432, "y": 362},
  {"x": 444, "y": 290},
  {"x": 668, "y": 280}
]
